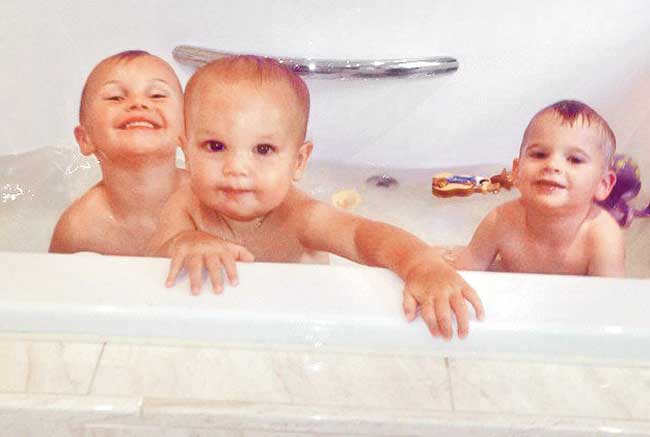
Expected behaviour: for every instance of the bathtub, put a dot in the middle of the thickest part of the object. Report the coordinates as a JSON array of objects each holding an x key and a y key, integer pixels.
[
  {"x": 558, "y": 316},
  {"x": 305, "y": 319},
  {"x": 94, "y": 345}
]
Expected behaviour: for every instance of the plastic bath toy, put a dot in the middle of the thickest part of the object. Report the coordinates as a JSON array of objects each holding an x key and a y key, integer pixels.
[
  {"x": 626, "y": 188},
  {"x": 450, "y": 185},
  {"x": 346, "y": 199}
]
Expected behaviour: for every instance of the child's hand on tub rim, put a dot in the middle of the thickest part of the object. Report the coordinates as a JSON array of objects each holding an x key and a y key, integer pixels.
[
  {"x": 196, "y": 250},
  {"x": 436, "y": 289}
]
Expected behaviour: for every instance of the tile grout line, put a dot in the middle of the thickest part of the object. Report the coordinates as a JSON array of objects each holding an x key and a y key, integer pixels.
[
  {"x": 96, "y": 369},
  {"x": 451, "y": 389}
]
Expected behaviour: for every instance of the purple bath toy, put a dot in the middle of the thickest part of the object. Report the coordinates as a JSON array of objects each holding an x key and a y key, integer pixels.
[{"x": 627, "y": 187}]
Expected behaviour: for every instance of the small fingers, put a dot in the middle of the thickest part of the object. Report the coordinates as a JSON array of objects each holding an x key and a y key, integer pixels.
[
  {"x": 240, "y": 253},
  {"x": 443, "y": 314},
  {"x": 175, "y": 268},
  {"x": 460, "y": 308},
  {"x": 231, "y": 269},
  {"x": 213, "y": 265},
  {"x": 194, "y": 266},
  {"x": 429, "y": 317},
  {"x": 475, "y": 300},
  {"x": 409, "y": 305}
]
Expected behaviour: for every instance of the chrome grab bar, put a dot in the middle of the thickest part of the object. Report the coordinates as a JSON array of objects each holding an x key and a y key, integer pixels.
[{"x": 335, "y": 69}]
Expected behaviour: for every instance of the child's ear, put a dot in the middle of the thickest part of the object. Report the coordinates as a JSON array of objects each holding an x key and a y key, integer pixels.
[
  {"x": 85, "y": 145},
  {"x": 605, "y": 185},
  {"x": 304, "y": 152},
  {"x": 515, "y": 170},
  {"x": 182, "y": 142}
]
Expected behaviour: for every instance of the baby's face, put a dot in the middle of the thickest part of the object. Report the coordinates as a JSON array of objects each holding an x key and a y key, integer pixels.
[
  {"x": 133, "y": 108},
  {"x": 560, "y": 166},
  {"x": 244, "y": 147}
]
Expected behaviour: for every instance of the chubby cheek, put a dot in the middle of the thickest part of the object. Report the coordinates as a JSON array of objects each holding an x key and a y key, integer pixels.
[
  {"x": 275, "y": 183},
  {"x": 523, "y": 173},
  {"x": 203, "y": 175}
]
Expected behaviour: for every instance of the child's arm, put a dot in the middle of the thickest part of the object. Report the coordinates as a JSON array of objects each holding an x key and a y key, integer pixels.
[
  {"x": 482, "y": 249},
  {"x": 177, "y": 238},
  {"x": 608, "y": 250},
  {"x": 430, "y": 282}
]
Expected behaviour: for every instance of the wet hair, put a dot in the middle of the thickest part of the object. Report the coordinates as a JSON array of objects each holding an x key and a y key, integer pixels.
[
  {"x": 572, "y": 111},
  {"x": 253, "y": 69},
  {"x": 124, "y": 56}
]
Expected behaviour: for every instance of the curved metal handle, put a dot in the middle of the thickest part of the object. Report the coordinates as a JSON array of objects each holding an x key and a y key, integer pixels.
[{"x": 335, "y": 69}]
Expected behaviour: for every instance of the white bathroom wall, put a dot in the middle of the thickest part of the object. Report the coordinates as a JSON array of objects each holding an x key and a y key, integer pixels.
[{"x": 515, "y": 57}]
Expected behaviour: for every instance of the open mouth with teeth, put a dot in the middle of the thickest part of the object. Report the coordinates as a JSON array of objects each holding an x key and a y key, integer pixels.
[{"x": 139, "y": 124}]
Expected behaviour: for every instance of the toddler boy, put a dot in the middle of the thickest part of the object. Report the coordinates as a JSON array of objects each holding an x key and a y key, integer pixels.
[
  {"x": 555, "y": 226},
  {"x": 130, "y": 118}
]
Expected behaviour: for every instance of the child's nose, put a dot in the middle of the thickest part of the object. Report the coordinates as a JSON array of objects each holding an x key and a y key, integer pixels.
[
  {"x": 235, "y": 165},
  {"x": 137, "y": 103},
  {"x": 553, "y": 164}
]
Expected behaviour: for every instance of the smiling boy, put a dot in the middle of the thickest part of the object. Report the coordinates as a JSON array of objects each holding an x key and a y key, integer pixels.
[
  {"x": 246, "y": 119},
  {"x": 130, "y": 118},
  {"x": 555, "y": 226}
]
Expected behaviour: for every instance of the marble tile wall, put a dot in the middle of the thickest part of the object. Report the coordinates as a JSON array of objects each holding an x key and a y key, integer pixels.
[
  {"x": 86, "y": 389},
  {"x": 47, "y": 366},
  {"x": 306, "y": 378}
]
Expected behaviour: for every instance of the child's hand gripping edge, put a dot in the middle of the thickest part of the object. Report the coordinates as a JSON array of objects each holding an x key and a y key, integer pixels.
[
  {"x": 195, "y": 250},
  {"x": 437, "y": 289}
]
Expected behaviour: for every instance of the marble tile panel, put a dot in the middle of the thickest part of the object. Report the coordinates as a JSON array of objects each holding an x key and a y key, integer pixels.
[
  {"x": 147, "y": 431},
  {"x": 194, "y": 373},
  {"x": 265, "y": 376},
  {"x": 562, "y": 390},
  {"x": 26, "y": 415},
  {"x": 271, "y": 419},
  {"x": 47, "y": 367}
]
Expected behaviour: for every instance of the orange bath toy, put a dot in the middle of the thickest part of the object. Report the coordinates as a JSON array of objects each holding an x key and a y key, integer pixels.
[{"x": 450, "y": 185}]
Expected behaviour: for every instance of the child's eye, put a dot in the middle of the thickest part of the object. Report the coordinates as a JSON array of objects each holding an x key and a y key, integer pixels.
[
  {"x": 214, "y": 146},
  {"x": 264, "y": 149},
  {"x": 537, "y": 154},
  {"x": 158, "y": 96},
  {"x": 575, "y": 160},
  {"x": 115, "y": 98}
]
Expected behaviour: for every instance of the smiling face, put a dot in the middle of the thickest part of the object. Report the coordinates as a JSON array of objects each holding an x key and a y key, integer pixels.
[
  {"x": 245, "y": 145},
  {"x": 561, "y": 166},
  {"x": 131, "y": 107}
]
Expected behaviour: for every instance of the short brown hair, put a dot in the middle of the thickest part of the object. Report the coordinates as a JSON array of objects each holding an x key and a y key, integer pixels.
[
  {"x": 241, "y": 68},
  {"x": 569, "y": 111}
]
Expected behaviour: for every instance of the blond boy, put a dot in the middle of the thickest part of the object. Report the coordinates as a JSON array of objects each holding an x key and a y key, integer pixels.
[
  {"x": 130, "y": 118},
  {"x": 555, "y": 226},
  {"x": 246, "y": 119}
]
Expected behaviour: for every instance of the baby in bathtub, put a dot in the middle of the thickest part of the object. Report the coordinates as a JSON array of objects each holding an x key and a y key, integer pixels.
[
  {"x": 131, "y": 119},
  {"x": 555, "y": 225},
  {"x": 246, "y": 120}
]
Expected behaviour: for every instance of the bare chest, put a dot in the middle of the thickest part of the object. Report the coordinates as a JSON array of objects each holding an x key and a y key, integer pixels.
[
  {"x": 117, "y": 238},
  {"x": 520, "y": 253},
  {"x": 268, "y": 243}
]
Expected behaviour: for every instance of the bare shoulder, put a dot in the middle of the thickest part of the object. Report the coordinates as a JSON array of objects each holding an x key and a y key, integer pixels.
[
  {"x": 603, "y": 228},
  {"x": 605, "y": 244},
  {"x": 298, "y": 205},
  {"x": 81, "y": 222},
  {"x": 181, "y": 207},
  {"x": 503, "y": 217},
  {"x": 311, "y": 219},
  {"x": 510, "y": 213}
]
